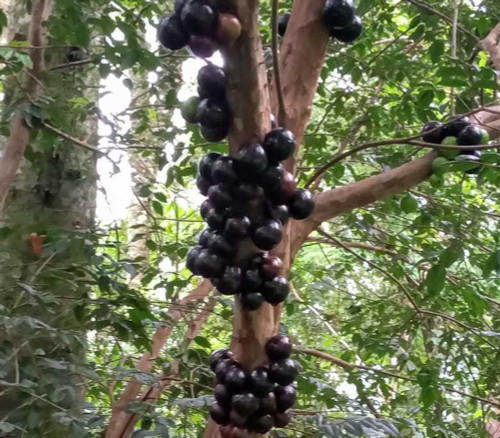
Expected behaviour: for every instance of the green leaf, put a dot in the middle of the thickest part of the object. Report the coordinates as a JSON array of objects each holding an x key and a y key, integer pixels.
[{"x": 435, "y": 280}]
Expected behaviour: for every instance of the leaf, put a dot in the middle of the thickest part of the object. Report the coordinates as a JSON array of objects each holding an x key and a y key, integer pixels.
[
  {"x": 203, "y": 342},
  {"x": 435, "y": 280}
]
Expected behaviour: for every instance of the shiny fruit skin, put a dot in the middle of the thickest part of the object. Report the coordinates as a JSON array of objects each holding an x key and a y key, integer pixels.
[
  {"x": 261, "y": 424},
  {"x": 436, "y": 136},
  {"x": 206, "y": 207},
  {"x": 210, "y": 265},
  {"x": 283, "y": 20},
  {"x": 228, "y": 29},
  {"x": 237, "y": 228},
  {"x": 470, "y": 136},
  {"x": 223, "y": 247},
  {"x": 285, "y": 191},
  {"x": 171, "y": 33},
  {"x": 203, "y": 185},
  {"x": 223, "y": 171},
  {"x": 206, "y": 238},
  {"x": 206, "y": 163},
  {"x": 283, "y": 372},
  {"x": 267, "y": 405},
  {"x": 189, "y": 109},
  {"x": 279, "y": 145},
  {"x": 268, "y": 236},
  {"x": 192, "y": 259},
  {"x": 202, "y": 47},
  {"x": 278, "y": 347},
  {"x": 212, "y": 114},
  {"x": 454, "y": 126},
  {"x": 230, "y": 281},
  {"x": 272, "y": 177},
  {"x": 246, "y": 191},
  {"x": 280, "y": 213},
  {"x": 259, "y": 382},
  {"x": 218, "y": 355},
  {"x": 282, "y": 419},
  {"x": 214, "y": 135},
  {"x": 251, "y": 281},
  {"x": 252, "y": 301},
  {"x": 222, "y": 396},
  {"x": 198, "y": 18},
  {"x": 218, "y": 414},
  {"x": 250, "y": 162},
  {"x": 235, "y": 380},
  {"x": 285, "y": 397},
  {"x": 338, "y": 13},
  {"x": 350, "y": 33},
  {"x": 301, "y": 204},
  {"x": 223, "y": 367},
  {"x": 271, "y": 267},
  {"x": 215, "y": 219},
  {"x": 220, "y": 197},
  {"x": 212, "y": 82},
  {"x": 245, "y": 404},
  {"x": 276, "y": 290}
]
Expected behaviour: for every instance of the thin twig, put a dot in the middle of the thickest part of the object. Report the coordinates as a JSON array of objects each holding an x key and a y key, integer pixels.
[{"x": 276, "y": 64}]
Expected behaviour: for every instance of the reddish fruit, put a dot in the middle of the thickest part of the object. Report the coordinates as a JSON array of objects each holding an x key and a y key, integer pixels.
[
  {"x": 228, "y": 29},
  {"x": 218, "y": 414},
  {"x": 202, "y": 47},
  {"x": 282, "y": 419},
  {"x": 278, "y": 347},
  {"x": 271, "y": 267}
]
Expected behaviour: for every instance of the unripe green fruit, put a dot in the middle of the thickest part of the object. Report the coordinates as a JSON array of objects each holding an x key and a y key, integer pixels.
[
  {"x": 485, "y": 137},
  {"x": 409, "y": 204},
  {"x": 438, "y": 164},
  {"x": 189, "y": 108},
  {"x": 449, "y": 153},
  {"x": 436, "y": 181}
]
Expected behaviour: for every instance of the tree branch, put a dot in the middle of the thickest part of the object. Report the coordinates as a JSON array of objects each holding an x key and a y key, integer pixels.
[
  {"x": 491, "y": 45},
  {"x": 276, "y": 63}
]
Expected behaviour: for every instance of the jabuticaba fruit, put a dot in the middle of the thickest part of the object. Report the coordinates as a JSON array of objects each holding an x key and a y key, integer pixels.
[
  {"x": 179, "y": 4},
  {"x": 223, "y": 367},
  {"x": 203, "y": 185},
  {"x": 223, "y": 248},
  {"x": 189, "y": 109},
  {"x": 218, "y": 414},
  {"x": 350, "y": 33},
  {"x": 228, "y": 29},
  {"x": 202, "y": 47},
  {"x": 280, "y": 213},
  {"x": 222, "y": 396},
  {"x": 267, "y": 405},
  {"x": 206, "y": 238},
  {"x": 237, "y": 228},
  {"x": 338, "y": 13},
  {"x": 250, "y": 162},
  {"x": 212, "y": 82},
  {"x": 235, "y": 380},
  {"x": 271, "y": 267},
  {"x": 283, "y": 372},
  {"x": 171, "y": 33},
  {"x": 251, "y": 281},
  {"x": 251, "y": 301},
  {"x": 215, "y": 219},
  {"x": 279, "y": 145},
  {"x": 192, "y": 259},
  {"x": 261, "y": 424},
  {"x": 213, "y": 114},
  {"x": 245, "y": 404},
  {"x": 218, "y": 355},
  {"x": 259, "y": 382},
  {"x": 214, "y": 135},
  {"x": 209, "y": 264},
  {"x": 229, "y": 282},
  {"x": 237, "y": 419},
  {"x": 272, "y": 177},
  {"x": 301, "y": 204},
  {"x": 206, "y": 163},
  {"x": 282, "y": 419},
  {"x": 199, "y": 18},
  {"x": 433, "y": 132},
  {"x": 278, "y": 347},
  {"x": 285, "y": 397},
  {"x": 283, "y": 20},
  {"x": 223, "y": 171},
  {"x": 470, "y": 136},
  {"x": 454, "y": 126},
  {"x": 268, "y": 236},
  {"x": 276, "y": 290},
  {"x": 284, "y": 192},
  {"x": 219, "y": 196}
]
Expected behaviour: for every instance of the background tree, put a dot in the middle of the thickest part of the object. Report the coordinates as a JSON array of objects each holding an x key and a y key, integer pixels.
[{"x": 395, "y": 306}]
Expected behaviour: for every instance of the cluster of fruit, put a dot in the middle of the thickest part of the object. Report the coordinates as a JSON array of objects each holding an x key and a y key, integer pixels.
[
  {"x": 256, "y": 400},
  {"x": 341, "y": 20},
  {"x": 202, "y": 25},
  {"x": 210, "y": 108},
  {"x": 250, "y": 200},
  {"x": 458, "y": 131}
]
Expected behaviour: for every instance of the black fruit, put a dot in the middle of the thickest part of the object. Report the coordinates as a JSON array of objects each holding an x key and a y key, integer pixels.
[
  {"x": 268, "y": 236},
  {"x": 209, "y": 265},
  {"x": 214, "y": 135},
  {"x": 436, "y": 136},
  {"x": 267, "y": 405},
  {"x": 218, "y": 414},
  {"x": 279, "y": 145},
  {"x": 218, "y": 355},
  {"x": 206, "y": 238},
  {"x": 235, "y": 380},
  {"x": 218, "y": 196},
  {"x": 283, "y": 20},
  {"x": 179, "y": 4},
  {"x": 171, "y": 33},
  {"x": 250, "y": 162},
  {"x": 189, "y": 109},
  {"x": 237, "y": 419},
  {"x": 276, "y": 290},
  {"x": 206, "y": 206},
  {"x": 203, "y": 185},
  {"x": 237, "y": 228},
  {"x": 285, "y": 397},
  {"x": 222, "y": 396},
  {"x": 283, "y": 372},
  {"x": 247, "y": 191},
  {"x": 301, "y": 204},
  {"x": 470, "y": 136},
  {"x": 228, "y": 29},
  {"x": 271, "y": 267},
  {"x": 192, "y": 259},
  {"x": 223, "y": 172},
  {"x": 202, "y": 47},
  {"x": 251, "y": 281},
  {"x": 215, "y": 219},
  {"x": 455, "y": 126},
  {"x": 282, "y": 419},
  {"x": 212, "y": 82},
  {"x": 230, "y": 281},
  {"x": 278, "y": 348},
  {"x": 213, "y": 115},
  {"x": 198, "y": 17},
  {"x": 285, "y": 191},
  {"x": 338, "y": 13},
  {"x": 272, "y": 177},
  {"x": 224, "y": 248},
  {"x": 252, "y": 301},
  {"x": 245, "y": 404},
  {"x": 206, "y": 163},
  {"x": 260, "y": 385},
  {"x": 223, "y": 367},
  {"x": 261, "y": 424},
  {"x": 280, "y": 213},
  {"x": 350, "y": 33}
]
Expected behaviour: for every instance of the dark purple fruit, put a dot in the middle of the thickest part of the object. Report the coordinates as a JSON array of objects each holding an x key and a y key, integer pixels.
[
  {"x": 202, "y": 47},
  {"x": 251, "y": 301},
  {"x": 192, "y": 259},
  {"x": 272, "y": 177},
  {"x": 282, "y": 419},
  {"x": 179, "y": 4},
  {"x": 251, "y": 281},
  {"x": 271, "y": 267},
  {"x": 171, "y": 33},
  {"x": 245, "y": 404},
  {"x": 283, "y": 193},
  {"x": 237, "y": 228},
  {"x": 213, "y": 115},
  {"x": 206, "y": 238},
  {"x": 199, "y": 18},
  {"x": 189, "y": 109},
  {"x": 235, "y": 380},
  {"x": 230, "y": 281},
  {"x": 285, "y": 397},
  {"x": 223, "y": 367},
  {"x": 301, "y": 204},
  {"x": 218, "y": 355},
  {"x": 283, "y": 20},
  {"x": 433, "y": 132},
  {"x": 206, "y": 164},
  {"x": 237, "y": 419},
  {"x": 455, "y": 126},
  {"x": 470, "y": 136},
  {"x": 203, "y": 185},
  {"x": 222, "y": 396},
  {"x": 283, "y": 372},
  {"x": 278, "y": 347},
  {"x": 338, "y": 13},
  {"x": 279, "y": 145},
  {"x": 215, "y": 219},
  {"x": 261, "y": 424},
  {"x": 228, "y": 29},
  {"x": 250, "y": 162},
  {"x": 206, "y": 206},
  {"x": 276, "y": 290},
  {"x": 350, "y": 33},
  {"x": 280, "y": 213},
  {"x": 268, "y": 236},
  {"x": 214, "y": 135},
  {"x": 210, "y": 265},
  {"x": 247, "y": 191},
  {"x": 259, "y": 382},
  {"x": 212, "y": 82},
  {"x": 218, "y": 414},
  {"x": 224, "y": 248},
  {"x": 218, "y": 196},
  {"x": 223, "y": 172},
  {"x": 267, "y": 405}
]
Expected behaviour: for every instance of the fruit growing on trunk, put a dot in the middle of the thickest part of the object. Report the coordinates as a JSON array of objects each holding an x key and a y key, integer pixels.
[{"x": 171, "y": 33}]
